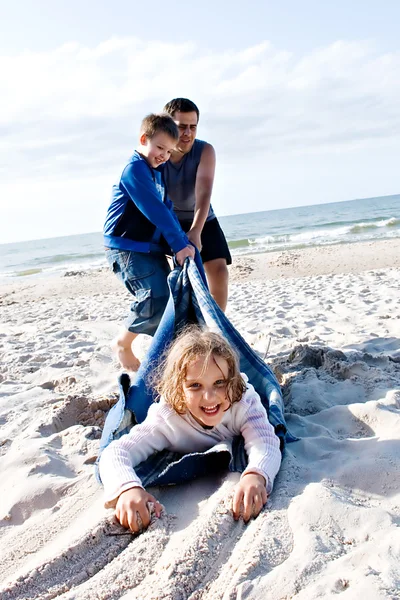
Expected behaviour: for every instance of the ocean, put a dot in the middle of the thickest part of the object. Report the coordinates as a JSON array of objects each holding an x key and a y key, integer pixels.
[{"x": 269, "y": 231}]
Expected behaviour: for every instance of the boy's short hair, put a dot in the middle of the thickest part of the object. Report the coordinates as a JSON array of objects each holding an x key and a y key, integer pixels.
[
  {"x": 156, "y": 123},
  {"x": 182, "y": 105}
]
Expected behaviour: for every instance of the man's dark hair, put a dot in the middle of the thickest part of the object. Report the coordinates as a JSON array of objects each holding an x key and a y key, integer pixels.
[
  {"x": 182, "y": 105},
  {"x": 153, "y": 124}
]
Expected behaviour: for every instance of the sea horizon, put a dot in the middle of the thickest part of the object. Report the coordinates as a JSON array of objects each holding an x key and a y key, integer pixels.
[
  {"x": 255, "y": 212},
  {"x": 330, "y": 223}
]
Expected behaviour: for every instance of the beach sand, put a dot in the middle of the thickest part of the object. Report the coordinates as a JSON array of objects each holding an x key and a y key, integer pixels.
[{"x": 328, "y": 320}]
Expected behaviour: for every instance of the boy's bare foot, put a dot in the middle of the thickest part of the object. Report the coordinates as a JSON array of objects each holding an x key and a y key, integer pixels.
[{"x": 128, "y": 360}]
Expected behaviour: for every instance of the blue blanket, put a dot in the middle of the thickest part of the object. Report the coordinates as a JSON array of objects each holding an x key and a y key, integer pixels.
[{"x": 191, "y": 302}]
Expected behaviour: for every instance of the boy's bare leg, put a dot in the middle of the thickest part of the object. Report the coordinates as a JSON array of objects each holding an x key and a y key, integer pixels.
[
  {"x": 217, "y": 277},
  {"x": 122, "y": 346}
]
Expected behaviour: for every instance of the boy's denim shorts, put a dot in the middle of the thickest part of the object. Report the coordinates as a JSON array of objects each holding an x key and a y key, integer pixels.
[{"x": 145, "y": 277}]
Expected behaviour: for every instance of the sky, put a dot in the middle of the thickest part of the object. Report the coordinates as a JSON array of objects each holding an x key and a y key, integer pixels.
[{"x": 299, "y": 99}]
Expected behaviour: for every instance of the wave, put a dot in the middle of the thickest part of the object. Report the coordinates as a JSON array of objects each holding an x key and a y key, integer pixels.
[
  {"x": 66, "y": 258},
  {"x": 56, "y": 269},
  {"x": 361, "y": 227},
  {"x": 372, "y": 220},
  {"x": 249, "y": 242},
  {"x": 319, "y": 236},
  {"x": 270, "y": 239},
  {"x": 238, "y": 243},
  {"x": 27, "y": 272}
]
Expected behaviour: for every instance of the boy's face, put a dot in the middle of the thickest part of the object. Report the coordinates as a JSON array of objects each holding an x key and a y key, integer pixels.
[
  {"x": 157, "y": 149},
  {"x": 187, "y": 125},
  {"x": 205, "y": 390}
]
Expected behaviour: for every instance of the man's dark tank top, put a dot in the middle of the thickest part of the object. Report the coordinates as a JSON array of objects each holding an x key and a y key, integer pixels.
[{"x": 180, "y": 179}]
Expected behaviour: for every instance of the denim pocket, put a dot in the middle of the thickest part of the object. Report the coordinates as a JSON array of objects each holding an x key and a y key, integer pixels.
[
  {"x": 115, "y": 267},
  {"x": 138, "y": 265},
  {"x": 130, "y": 265},
  {"x": 142, "y": 306}
]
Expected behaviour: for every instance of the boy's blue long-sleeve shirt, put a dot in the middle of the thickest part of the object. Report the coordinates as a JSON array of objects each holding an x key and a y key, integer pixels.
[{"x": 140, "y": 215}]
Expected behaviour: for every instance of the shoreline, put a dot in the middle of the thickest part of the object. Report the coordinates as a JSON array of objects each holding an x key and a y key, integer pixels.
[
  {"x": 325, "y": 260},
  {"x": 322, "y": 260}
]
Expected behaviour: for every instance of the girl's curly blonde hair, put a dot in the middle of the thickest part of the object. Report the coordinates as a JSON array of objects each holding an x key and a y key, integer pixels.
[{"x": 192, "y": 343}]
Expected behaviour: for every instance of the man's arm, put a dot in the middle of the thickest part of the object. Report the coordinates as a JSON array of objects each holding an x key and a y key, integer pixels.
[{"x": 203, "y": 190}]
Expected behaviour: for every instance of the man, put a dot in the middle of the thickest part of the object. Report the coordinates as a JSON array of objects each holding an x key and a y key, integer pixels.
[{"x": 189, "y": 176}]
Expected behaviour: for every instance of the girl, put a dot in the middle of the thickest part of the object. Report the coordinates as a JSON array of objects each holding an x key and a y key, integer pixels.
[{"x": 204, "y": 400}]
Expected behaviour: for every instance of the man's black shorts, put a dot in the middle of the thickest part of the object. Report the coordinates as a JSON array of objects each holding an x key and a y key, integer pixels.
[{"x": 214, "y": 244}]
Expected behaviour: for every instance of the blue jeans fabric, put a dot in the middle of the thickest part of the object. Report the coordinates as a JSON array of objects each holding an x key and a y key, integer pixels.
[{"x": 145, "y": 277}]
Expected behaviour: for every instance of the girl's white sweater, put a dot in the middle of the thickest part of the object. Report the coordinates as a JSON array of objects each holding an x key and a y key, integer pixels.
[{"x": 164, "y": 428}]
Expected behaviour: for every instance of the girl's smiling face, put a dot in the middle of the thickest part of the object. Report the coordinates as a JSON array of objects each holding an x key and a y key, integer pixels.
[{"x": 205, "y": 390}]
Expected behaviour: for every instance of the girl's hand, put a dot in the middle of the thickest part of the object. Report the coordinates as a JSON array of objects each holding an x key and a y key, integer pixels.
[
  {"x": 133, "y": 503},
  {"x": 251, "y": 493}
]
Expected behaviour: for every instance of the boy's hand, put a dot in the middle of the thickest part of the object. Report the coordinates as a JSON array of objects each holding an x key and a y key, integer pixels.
[
  {"x": 133, "y": 503},
  {"x": 194, "y": 236},
  {"x": 251, "y": 493},
  {"x": 180, "y": 256}
]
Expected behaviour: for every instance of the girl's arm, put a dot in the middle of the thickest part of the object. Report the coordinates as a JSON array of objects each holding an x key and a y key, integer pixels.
[
  {"x": 117, "y": 465},
  {"x": 261, "y": 444},
  {"x": 264, "y": 457}
]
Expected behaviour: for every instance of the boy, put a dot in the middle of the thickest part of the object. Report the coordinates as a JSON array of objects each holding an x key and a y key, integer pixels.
[
  {"x": 189, "y": 176},
  {"x": 139, "y": 231}
]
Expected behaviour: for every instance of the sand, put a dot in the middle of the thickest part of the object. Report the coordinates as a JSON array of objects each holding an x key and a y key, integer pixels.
[{"x": 329, "y": 322}]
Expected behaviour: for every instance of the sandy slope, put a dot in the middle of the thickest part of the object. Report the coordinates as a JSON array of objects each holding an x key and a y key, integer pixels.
[{"x": 331, "y": 524}]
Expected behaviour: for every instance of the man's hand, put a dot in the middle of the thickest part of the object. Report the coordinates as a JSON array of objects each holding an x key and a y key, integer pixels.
[
  {"x": 251, "y": 493},
  {"x": 133, "y": 503},
  {"x": 194, "y": 236},
  {"x": 180, "y": 256}
]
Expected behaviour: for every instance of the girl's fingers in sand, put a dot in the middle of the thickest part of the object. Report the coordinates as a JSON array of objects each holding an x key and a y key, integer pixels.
[
  {"x": 144, "y": 516},
  {"x": 248, "y": 506},
  {"x": 133, "y": 521},
  {"x": 133, "y": 509},
  {"x": 237, "y": 502},
  {"x": 130, "y": 519},
  {"x": 157, "y": 507},
  {"x": 258, "y": 502},
  {"x": 251, "y": 495},
  {"x": 122, "y": 517},
  {"x": 125, "y": 517}
]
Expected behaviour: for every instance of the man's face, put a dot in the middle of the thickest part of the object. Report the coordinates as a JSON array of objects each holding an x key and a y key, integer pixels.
[{"x": 187, "y": 125}]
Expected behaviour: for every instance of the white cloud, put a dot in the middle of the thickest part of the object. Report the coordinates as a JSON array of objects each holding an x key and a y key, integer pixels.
[{"x": 74, "y": 112}]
